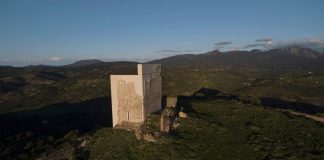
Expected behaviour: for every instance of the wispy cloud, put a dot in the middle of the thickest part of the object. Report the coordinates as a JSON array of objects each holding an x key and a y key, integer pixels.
[
  {"x": 255, "y": 45},
  {"x": 313, "y": 43},
  {"x": 223, "y": 43},
  {"x": 55, "y": 61},
  {"x": 56, "y": 58},
  {"x": 268, "y": 43},
  {"x": 220, "y": 45},
  {"x": 177, "y": 51},
  {"x": 172, "y": 52},
  {"x": 264, "y": 40}
]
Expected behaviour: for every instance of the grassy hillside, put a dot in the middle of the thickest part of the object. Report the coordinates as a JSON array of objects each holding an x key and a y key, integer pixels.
[
  {"x": 295, "y": 86},
  {"x": 37, "y": 87},
  {"x": 217, "y": 128},
  {"x": 49, "y": 112},
  {"x": 33, "y": 88}
]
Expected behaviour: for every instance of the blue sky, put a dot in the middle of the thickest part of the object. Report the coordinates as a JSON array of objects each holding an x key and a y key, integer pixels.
[{"x": 61, "y": 31}]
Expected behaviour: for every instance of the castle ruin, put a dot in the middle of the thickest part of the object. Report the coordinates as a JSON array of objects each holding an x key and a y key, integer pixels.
[{"x": 135, "y": 96}]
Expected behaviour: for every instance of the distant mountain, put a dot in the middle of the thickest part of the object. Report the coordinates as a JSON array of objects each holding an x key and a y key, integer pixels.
[
  {"x": 302, "y": 52},
  {"x": 214, "y": 52},
  {"x": 84, "y": 63},
  {"x": 290, "y": 58},
  {"x": 256, "y": 51}
]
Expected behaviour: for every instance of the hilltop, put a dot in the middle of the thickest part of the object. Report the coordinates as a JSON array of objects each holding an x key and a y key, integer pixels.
[{"x": 81, "y": 63}]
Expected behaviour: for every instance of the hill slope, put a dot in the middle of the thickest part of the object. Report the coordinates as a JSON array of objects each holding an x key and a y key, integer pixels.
[
  {"x": 219, "y": 129},
  {"x": 84, "y": 63}
]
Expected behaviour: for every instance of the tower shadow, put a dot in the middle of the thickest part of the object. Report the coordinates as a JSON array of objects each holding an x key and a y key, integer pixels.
[{"x": 58, "y": 119}]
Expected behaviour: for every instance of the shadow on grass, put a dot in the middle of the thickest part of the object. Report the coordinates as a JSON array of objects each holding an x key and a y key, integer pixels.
[
  {"x": 203, "y": 94},
  {"x": 212, "y": 94},
  {"x": 60, "y": 118},
  {"x": 297, "y": 106}
]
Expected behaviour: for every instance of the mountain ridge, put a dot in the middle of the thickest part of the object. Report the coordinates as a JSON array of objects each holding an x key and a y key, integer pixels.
[
  {"x": 84, "y": 63},
  {"x": 286, "y": 58},
  {"x": 281, "y": 58}
]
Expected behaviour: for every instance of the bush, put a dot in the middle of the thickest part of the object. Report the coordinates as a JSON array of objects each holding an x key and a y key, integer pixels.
[
  {"x": 255, "y": 101},
  {"x": 250, "y": 100}
]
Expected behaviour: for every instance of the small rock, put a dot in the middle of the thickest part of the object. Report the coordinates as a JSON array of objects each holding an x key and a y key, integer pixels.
[
  {"x": 156, "y": 134},
  {"x": 182, "y": 115},
  {"x": 138, "y": 133},
  {"x": 83, "y": 144},
  {"x": 176, "y": 125},
  {"x": 149, "y": 138}
]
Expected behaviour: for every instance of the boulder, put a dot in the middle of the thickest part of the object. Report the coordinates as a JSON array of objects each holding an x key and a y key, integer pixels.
[{"x": 182, "y": 115}]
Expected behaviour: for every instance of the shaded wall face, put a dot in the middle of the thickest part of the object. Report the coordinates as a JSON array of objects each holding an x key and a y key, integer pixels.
[
  {"x": 152, "y": 86},
  {"x": 152, "y": 93}
]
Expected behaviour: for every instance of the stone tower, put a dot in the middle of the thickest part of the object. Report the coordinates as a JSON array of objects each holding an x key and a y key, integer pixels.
[{"x": 135, "y": 96}]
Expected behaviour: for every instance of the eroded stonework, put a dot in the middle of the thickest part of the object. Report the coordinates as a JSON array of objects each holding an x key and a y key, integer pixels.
[
  {"x": 130, "y": 104},
  {"x": 135, "y": 96}
]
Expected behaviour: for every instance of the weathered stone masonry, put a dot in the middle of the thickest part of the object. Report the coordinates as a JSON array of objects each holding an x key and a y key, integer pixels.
[{"x": 135, "y": 96}]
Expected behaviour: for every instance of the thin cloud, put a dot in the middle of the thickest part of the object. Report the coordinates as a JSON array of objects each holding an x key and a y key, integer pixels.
[
  {"x": 268, "y": 41},
  {"x": 193, "y": 50},
  {"x": 221, "y": 45},
  {"x": 255, "y": 45},
  {"x": 312, "y": 43},
  {"x": 55, "y": 58},
  {"x": 264, "y": 40},
  {"x": 167, "y": 51},
  {"x": 171, "y": 51},
  {"x": 224, "y": 43}
]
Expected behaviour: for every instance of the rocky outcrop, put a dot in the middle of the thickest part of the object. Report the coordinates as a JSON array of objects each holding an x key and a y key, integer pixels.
[
  {"x": 167, "y": 118},
  {"x": 168, "y": 115}
]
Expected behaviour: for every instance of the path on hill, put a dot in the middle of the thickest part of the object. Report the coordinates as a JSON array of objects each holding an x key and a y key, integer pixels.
[{"x": 313, "y": 117}]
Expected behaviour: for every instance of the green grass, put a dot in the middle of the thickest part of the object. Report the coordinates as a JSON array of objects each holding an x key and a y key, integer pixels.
[
  {"x": 43, "y": 87},
  {"x": 220, "y": 129}
]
